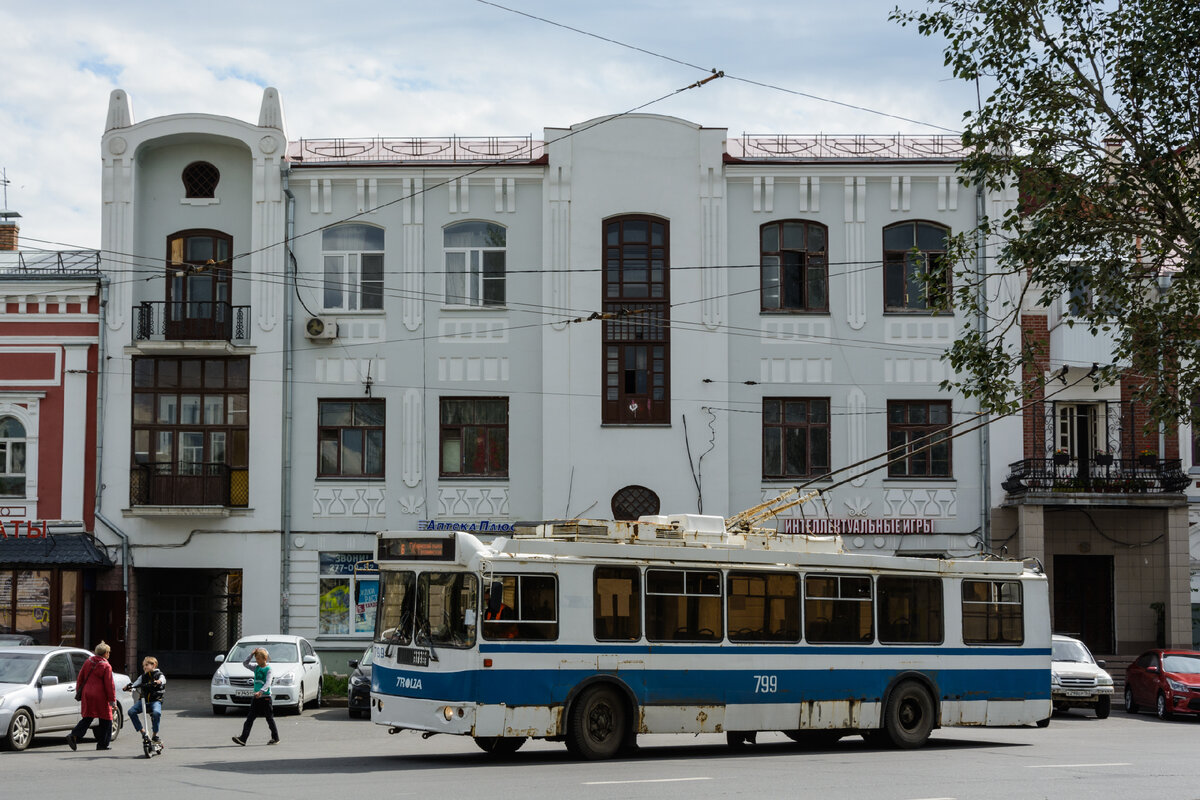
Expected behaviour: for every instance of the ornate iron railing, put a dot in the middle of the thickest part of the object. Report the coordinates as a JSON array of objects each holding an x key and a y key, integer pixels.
[
  {"x": 1115, "y": 476},
  {"x": 188, "y": 483},
  {"x": 825, "y": 146},
  {"x": 50, "y": 263},
  {"x": 470, "y": 149},
  {"x": 172, "y": 320}
]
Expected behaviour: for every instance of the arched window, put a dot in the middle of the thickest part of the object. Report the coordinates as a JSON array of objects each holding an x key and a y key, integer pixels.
[
  {"x": 353, "y": 267},
  {"x": 916, "y": 275},
  {"x": 633, "y": 502},
  {"x": 795, "y": 269},
  {"x": 200, "y": 179},
  {"x": 475, "y": 263},
  {"x": 12, "y": 457}
]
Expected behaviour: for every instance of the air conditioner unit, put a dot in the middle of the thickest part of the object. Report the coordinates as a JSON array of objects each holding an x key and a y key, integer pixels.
[{"x": 320, "y": 328}]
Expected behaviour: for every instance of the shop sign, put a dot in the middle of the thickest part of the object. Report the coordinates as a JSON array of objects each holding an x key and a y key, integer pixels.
[
  {"x": 482, "y": 526},
  {"x": 26, "y": 528},
  {"x": 858, "y": 526}
]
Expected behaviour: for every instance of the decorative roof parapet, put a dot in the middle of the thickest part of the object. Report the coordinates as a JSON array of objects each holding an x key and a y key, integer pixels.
[
  {"x": 455, "y": 149},
  {"x": 821, "y": 147}
]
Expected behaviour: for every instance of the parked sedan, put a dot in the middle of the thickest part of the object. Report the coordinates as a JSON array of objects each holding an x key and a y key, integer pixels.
[
  {"x": 295, "y": 674},
  {"x": 9, "y": 639},
  {"x": 1166, "y": 680},
  {"x": 37, "y": 692},
  {"x": 358, "y": 693}
]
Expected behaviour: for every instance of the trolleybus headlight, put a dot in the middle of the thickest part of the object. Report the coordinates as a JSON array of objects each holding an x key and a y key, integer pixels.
[{"x": 448, "y": 713}]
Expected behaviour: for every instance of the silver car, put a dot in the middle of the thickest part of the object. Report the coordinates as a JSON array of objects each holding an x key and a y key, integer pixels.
[{"x": 37, "y": 693}]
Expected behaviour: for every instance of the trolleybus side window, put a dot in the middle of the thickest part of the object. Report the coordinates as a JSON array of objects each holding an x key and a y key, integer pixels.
[
  {"x": 763, "y": 606},
  {"x": 393, "y": 623},
  {"x": 837, "y": 608},
  {"x": 446, "y": 603},
  {"x": 992, "y": 612},
  {"x": 910, "y": 610},
  {"x": 521, "y": 607},
  {"x": 617, "y": 604},
  {"x": 683, "y": 605}
]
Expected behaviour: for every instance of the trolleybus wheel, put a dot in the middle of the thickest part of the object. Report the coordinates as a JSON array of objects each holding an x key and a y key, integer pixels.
[
  {"x": 500, "y": 745},
  {"x": 909, "y": 716},
  {"x": 597, "y": 725}
]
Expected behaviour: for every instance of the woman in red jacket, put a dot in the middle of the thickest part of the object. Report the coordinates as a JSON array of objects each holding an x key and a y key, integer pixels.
[{"x": 97, "y": 691}]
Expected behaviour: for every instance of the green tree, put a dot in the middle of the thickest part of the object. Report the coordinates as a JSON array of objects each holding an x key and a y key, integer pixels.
[{"x": 1092, "y": 108}]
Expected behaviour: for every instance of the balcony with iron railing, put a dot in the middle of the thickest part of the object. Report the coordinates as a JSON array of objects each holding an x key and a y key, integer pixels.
[
  {"x": 17, "y": 264},
  {"x": 1064, "y": 475},
  {"x": 188, "y": 484},
  {"x": 177, "y": 321}
]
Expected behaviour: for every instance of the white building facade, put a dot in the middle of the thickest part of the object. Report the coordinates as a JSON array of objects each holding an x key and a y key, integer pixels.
[{"x": 632, "y": 315}]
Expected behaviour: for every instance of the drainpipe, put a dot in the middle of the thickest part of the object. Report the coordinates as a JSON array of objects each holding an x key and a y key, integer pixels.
[
  {"x": 981, "y": 324},
  {"x": 285, "y": 502},
  {"x": 101, "y": 358}
]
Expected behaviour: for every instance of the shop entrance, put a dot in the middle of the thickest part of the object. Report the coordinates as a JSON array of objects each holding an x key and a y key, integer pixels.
[
  {"x": 187, "y": 616},
  {"x": 1083, "y": 600}
]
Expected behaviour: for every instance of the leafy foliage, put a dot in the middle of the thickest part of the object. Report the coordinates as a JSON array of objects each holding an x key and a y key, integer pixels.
[{"x": 1095, "y": 118}]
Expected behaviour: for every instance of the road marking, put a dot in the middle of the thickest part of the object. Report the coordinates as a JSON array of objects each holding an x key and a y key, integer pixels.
[
  {"x": 1073, "y": 766},
  {"x": 649, "y": 780}
]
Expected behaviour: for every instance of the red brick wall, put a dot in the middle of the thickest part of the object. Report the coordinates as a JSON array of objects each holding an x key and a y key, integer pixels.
[
  {"x": 8, "y": 236},
  {"x": 1035, "y": 332}
]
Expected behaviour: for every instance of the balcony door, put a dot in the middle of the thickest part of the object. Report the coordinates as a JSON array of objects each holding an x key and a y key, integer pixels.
[
  {"x": 1079, "y": 429},
  {"x": 198, "y": 285}
]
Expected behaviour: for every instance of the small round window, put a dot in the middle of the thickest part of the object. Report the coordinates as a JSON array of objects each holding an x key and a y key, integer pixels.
[
  {"x": 633, "y": 502},
  {"x": 200, "y": 179}
]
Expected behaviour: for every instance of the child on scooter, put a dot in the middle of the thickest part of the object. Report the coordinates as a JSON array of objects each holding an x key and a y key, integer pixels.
[{"x": 153, "y": 686}]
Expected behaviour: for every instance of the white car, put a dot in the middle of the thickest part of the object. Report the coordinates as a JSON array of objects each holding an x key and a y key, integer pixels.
[
  {"x": 1076, "y": 679},
  {"x": 37, "y": 693},
  {"x": 295, "y": 674}
]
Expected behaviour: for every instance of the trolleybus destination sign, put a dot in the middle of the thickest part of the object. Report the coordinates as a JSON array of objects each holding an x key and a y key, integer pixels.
[{"x": 858, "y": 526}]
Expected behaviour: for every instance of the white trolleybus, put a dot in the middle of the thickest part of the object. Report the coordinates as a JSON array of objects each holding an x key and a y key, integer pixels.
[{"x": 591, "y": 632}]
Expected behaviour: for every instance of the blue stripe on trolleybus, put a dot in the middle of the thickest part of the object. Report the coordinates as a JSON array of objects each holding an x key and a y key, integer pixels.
[{"x": 706, "y": 686}]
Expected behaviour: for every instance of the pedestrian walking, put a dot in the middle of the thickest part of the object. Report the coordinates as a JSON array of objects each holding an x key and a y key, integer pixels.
[
  {"x": 95, "y": 689},
  {"x": 260, "y": 704}
]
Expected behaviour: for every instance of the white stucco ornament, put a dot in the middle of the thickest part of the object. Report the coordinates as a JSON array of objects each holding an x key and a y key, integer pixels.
[
  {"x": 117, "y": 145},
  {"x": 268, "y": 144}
]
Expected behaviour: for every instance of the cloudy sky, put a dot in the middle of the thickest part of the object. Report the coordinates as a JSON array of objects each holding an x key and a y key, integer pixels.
[{"x": 432, "y": 69}]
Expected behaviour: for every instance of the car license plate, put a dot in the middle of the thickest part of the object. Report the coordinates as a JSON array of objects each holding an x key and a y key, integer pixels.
[
  {"x": 242, "y": 693},
  {"x": 1078, "y": 693}
]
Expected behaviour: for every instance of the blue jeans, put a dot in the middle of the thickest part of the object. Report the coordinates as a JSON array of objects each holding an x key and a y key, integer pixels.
[{"x": 155, "y": 714}]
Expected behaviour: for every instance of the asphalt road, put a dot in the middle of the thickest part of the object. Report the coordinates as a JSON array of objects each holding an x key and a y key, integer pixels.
[{"x": 325, "y": 754}]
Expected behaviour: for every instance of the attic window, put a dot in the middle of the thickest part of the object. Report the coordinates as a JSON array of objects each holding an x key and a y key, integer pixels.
[
  {"x": 633, "y": 502},
  {"x": 200, "y": 179}
]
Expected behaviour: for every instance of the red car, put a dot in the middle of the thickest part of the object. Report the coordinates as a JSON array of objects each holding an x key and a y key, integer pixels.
[{"x": 1166, "y": 680}]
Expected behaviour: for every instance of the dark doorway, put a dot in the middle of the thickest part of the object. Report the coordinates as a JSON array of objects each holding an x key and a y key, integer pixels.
[
  {"x": 187, "y": 616},
  {"x": 1083, "y": 600},
  {"x": 108, "y": 625}
]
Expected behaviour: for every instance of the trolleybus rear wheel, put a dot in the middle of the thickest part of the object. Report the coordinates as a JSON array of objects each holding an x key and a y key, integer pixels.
[
  {"x": 909, "y": 717},
  {"x": 500, "y": 745},
  {"x": 597, "y": 724}
]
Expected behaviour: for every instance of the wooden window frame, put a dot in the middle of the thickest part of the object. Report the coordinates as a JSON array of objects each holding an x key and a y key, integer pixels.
[
  {"x": 811, "y": 468},
  {"x": 636, "y": 335},
  {"x": 323, "y": 430},
  {"x": 900, "y": 464},
  {"x": 810, "y": 263},
  {"x": 444, "y": 428},
  {"x": 897, "y": 261}
]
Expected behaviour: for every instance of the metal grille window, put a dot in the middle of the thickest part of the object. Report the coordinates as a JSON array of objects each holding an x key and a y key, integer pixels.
[
  {"x": 12, "y": 457},
  {"x": 992, "y": 612},
  {"x": 617, "y": 604},
  {"x": 350, "y": 438},
  {"x": 632, "y": 502},
  {"x": 919, "y": 439},
  {"x": 910, "y": 610},
  {"x": 795, "y": 271},
  {"x": 474, "y": 437},
  {"x": 475, "y": 263},
  {"x": 353, "y": 268},
  {"x": 636, "y": 335},
  {"x": 200, "y": 179},
  {"x": 795, "y": 437},
  {"x": 526, "y": 607},
  {"x": 683, "y": 605},
  {"x": 763, "y": 607},
  {"x": 916, "y": 275},
  {"x": 838, "y": 608}
]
